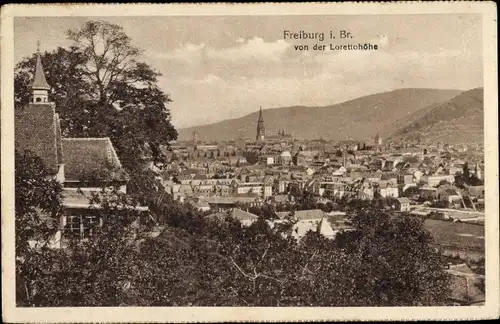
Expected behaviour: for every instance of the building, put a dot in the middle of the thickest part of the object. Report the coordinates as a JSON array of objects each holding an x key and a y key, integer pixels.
[
  {"x": 267, "y": 159},
  {"x": 261, "y": 129},
  {"x": 282, "y": 137},
  {"x": 260, "y": 189},
  {"x": 227, "y": 203},
  {"x": 314, "y": 220},
  {"x": 403, "y": 204},
  {"x": 244, "y": 217},
  {"x": 83, "y": 166},
  {"x": 285, "y": 158},
  {"x": 434, "y": 180}
]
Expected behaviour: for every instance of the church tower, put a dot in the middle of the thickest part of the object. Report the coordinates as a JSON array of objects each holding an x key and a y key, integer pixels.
[
  {"x": 39, "y": 88},
  {"x": 261, "y": 130},
  {"x": 37, "y": 125}
]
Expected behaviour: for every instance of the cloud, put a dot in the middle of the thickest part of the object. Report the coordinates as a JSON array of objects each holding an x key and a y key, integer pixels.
[
  {"x": 210, "y": 79},
  {"x": 255, "y": 48},
  {"x": 252, "y": 49},
  {"x": 187, "y": 53},
  {"x": 221, "y": 83}
]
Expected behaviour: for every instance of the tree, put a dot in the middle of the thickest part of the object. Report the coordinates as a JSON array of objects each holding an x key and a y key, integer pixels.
[
  {"x": 99, "y": 271},
  {"x": 467, "y": 178},
  {"x": 465, "y": 171},
  {"x": 444, "y": 183},
  {"x": 37, "y": 209},
  {"x": 381, "y": 242},
  {"x": 64, "y": 72},
  {"x": 111, "y": 60},
  {"x": 102, "y": 88},
  {"x": 202, "y": 262}
]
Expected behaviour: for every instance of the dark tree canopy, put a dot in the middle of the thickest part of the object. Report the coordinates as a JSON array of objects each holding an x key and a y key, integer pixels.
[
  {"x": 102, "y": 88},
  {"x": 37, "y": 200},
  {"x": 198, "y": 261},
  {"x": 37, "y": 207}
]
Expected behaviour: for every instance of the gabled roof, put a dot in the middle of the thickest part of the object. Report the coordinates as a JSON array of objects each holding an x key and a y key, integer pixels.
[
  {"x": 236, "y": 213},
  {"x": 326, "y": 229},
  {"x": 37, "y": 130},
  {"x": 83, "y": 157},
  {"x": 242, "y": 215},
  {"x": 58, "y": 140},
  {"x": 232, "y": 199},
  {"x": 310, "y": 214},
  {"x": 301, "y": 228},
  {"x": 84, "y": 199}
]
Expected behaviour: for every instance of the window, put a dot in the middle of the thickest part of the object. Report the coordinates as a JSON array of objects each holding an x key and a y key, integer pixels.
[
  {"x": 89, "y": 225},
  {"x": 81, "y": 225},
  {"x": 73, "y": 224},
  {"x": 110, "y": 155},
  {"x": 38, "y": 99}
]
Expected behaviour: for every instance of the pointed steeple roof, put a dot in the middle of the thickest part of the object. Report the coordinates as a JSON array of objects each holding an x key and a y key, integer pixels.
[
  {"x": 260, "y": 114},
  {"x": 39, "y": 81}
]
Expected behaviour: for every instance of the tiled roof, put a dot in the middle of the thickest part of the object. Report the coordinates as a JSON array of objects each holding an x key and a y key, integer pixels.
[
  {"x": 309, "y": 214},
  {"x": 58, "y": 140},
  {"x": 83, "y": 157},
  {"x": 231, "y": 200},
  {"x": 242, "y": 215},
  {"x": 301, "y": 228},
  {"x": 85, "y": 199},
  {"x": 326, "y": 229},
  {"x": 36, "y": 130},
  {"x": 236, "y": 213}
]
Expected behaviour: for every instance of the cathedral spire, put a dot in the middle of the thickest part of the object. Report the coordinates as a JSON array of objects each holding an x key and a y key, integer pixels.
[
  {"x": 40, "y": 87},
  {"x": 261, "y": 131}
]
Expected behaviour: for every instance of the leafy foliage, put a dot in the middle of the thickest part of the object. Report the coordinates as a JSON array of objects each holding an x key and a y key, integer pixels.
[
  {"x": 203, "y": 262},
  {"x": 37, "y": 208},
  {"x": 467, "y": 178},
  {"x": 399, "y": 259},
  {"x": 102, "y": 89}
]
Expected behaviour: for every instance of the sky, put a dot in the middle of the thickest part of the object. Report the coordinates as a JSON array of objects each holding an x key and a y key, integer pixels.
[{"x": 221, "y": 67}]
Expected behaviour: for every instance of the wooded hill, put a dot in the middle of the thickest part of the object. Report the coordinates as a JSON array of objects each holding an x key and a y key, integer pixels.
[{"x": 361, "y": 118}]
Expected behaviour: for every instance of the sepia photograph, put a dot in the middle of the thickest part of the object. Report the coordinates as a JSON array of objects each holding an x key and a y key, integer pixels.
[{"x": 221, "y": 160}]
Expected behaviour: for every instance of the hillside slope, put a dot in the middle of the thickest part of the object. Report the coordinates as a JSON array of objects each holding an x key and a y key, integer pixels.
[
  {"x": 458, "y": 120},
  {"x": 360, "y": 118}
]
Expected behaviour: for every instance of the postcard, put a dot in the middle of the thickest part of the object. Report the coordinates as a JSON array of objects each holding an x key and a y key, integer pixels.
[{"x": 249, "y": 162}]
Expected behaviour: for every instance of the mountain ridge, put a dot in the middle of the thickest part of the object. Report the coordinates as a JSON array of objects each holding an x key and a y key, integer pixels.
[
  {"x": 458, "y": 120},
  {"x": 359, "y": 118}
]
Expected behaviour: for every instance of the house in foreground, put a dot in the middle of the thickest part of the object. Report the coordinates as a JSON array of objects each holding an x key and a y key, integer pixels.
[
  {"x": 83, "y": 166},
  {"x": 314, "y": 220},
  {"x": 244, "y": 217}
]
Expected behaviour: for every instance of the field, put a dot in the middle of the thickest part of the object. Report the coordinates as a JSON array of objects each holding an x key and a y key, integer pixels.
[{"x": 458, "y": 238}]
